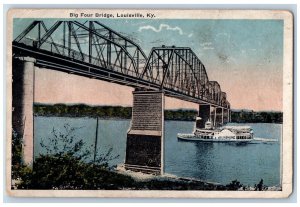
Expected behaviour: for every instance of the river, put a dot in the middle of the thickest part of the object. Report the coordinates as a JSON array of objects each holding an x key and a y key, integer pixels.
[{"x": 215, "y": 162}]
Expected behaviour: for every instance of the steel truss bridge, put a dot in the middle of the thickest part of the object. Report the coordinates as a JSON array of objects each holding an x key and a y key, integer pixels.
[{"x": 93, "y": 50}]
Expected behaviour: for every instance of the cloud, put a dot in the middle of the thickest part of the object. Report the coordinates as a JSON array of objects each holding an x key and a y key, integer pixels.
[
  {"x": 31, "y": 38},
  {"x": 207, "y": 46},
  {"x": 161, "y": 27},
  {"x": 165, "y": 27}
]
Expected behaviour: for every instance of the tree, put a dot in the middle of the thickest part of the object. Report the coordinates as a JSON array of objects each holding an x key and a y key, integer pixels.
[
  {"x": 67, "y": 164},
  {"x": 260, "y": 186},
  {"x": 16, "y": 154}
]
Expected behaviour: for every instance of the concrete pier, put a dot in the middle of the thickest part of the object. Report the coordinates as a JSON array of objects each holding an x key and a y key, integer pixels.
[
  {"x": 219, "y": 117},
  {"x": 226, "y": 116},
  {"x": 214, "y": 113},
  {"x": 145, "y": 138},
  {"x": 23, "y": 98},
  {"x": 204, "y": 114}
]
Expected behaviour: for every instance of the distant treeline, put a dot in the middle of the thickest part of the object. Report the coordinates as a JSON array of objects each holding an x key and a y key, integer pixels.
[
  {"x": 256, "y": 117},
  {"x": 181, "y": 115},
  {"x": 81, "y": 110}
]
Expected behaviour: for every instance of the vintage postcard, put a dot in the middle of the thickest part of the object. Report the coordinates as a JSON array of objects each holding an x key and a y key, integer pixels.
[{"x": 149, "y": 103}]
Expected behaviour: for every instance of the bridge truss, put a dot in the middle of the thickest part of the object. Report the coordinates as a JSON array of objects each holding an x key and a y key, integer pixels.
[{"x": 94, "y": 50}]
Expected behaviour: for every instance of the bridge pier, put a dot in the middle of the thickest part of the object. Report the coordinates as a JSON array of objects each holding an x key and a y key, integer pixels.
[
  {"x": 219, "y": 117},
  {"x": 23, "y": 72},
  {"x": 222, "y": 120},
  {"x": 214, "y": 118},
  {"x": 204, "y": 114},
  {"x": 145, "y": 138},
  {"x": 228, "y": 115}
]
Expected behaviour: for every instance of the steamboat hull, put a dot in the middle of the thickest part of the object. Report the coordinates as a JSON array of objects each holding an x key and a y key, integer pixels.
[{"x": 192, "y": 137}]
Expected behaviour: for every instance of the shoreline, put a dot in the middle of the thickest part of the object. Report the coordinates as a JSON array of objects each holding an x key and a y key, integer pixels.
[
  {"x": 120, "y": 113},
  {"x": 103, "y": 118},
  {"x": 128, "y": 119},
  {"x": 141, "y": 181},
  {"x": 189, "y": 182}
]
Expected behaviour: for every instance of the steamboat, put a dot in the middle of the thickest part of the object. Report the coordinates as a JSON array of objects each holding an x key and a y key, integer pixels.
[{"x": 222, "y": 134}]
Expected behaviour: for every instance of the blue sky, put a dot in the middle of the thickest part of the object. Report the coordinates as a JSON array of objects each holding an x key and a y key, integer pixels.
[{"x": 225, "y": 41}]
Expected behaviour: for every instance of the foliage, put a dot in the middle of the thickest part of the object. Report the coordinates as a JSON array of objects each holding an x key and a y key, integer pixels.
[
  {"x": 256, "y": 117},
  {"x": 234, "y": 185},
  {"x": 68, "y": 172},
  {"x": 66, "y": 143},
  {"x": 260, "y": 186},
  {"x": 181, "y": 115},
  {"x": 67, "y": 164},
  {"x": 80, "y": 110},
  {"x": 105, "y": 112},
  {"x": 16, "y": 162}
]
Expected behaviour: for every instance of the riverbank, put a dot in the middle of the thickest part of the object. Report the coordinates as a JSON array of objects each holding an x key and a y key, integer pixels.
[
  {"x": 120, "y": 112},
  {"x": 105, "y": 112},
  {"x": 121, "y": 179},
  {"x": 249, "y": 116},
  {"x": 186, "y": 183}
]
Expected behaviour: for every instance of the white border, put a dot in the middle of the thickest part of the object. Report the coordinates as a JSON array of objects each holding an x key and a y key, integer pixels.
[{"x": 209, "y": 6}]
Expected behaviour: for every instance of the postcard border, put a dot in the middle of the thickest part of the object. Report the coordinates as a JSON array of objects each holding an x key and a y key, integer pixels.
[{"x": 287, "y": 134}]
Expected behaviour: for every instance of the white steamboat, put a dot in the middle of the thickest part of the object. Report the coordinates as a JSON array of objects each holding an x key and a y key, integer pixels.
[{"x": 222, "y": 134}]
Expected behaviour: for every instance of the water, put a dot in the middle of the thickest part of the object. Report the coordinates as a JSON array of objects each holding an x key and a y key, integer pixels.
[{"x": 215, "y": 162}]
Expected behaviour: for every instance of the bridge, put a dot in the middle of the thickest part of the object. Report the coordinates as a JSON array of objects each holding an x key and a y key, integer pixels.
[{"x": 91, "y": 49}]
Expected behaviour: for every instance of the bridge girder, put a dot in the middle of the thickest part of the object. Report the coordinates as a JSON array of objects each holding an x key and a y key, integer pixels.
[
  {"x": 175, "y": 69},
  {"x": 180, "y": 69}
]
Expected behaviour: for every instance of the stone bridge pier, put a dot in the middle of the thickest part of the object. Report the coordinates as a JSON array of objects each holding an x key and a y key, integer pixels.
[
  {"x": 23, "y": 73},
  {"x": 217, "y": 115},
  {"x": 204, "y": 114},
  {"x": 227, "y": 115},
  {"x": 145, "y": 138}
]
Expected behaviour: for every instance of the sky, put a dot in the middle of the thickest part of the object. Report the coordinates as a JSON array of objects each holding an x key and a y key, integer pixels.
[{"x": 244, "y": 56}]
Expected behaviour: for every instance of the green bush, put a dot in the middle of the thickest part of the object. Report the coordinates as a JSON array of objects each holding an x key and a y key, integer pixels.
[
  {"x": 260, "y": 186},
  {"x": 67, "y": 164},
  {"x": 17, "y": 162},
  {"x": 234, "y": 185},
  {"x": 68, "y": 172}
]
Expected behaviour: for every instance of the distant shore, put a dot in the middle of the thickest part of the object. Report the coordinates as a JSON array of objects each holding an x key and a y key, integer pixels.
[
  {"x": 105, "y": 112},
  {"x": 249, "y": 116},
  {"x": 120, "y": 112}
]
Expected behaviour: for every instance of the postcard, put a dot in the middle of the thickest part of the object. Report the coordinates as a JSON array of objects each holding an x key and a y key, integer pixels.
[{"x": 149, "y": 103}]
